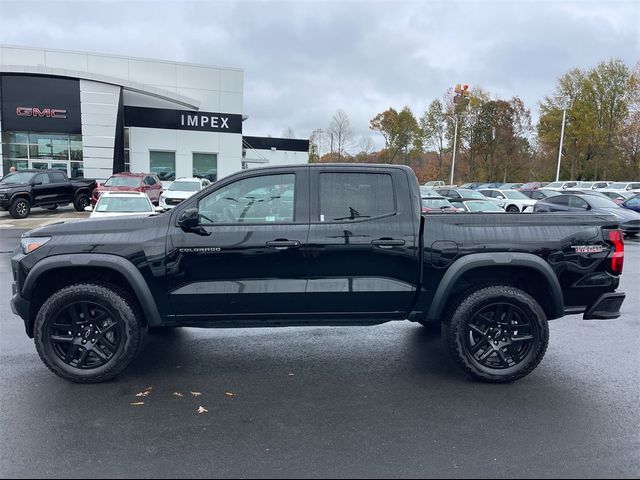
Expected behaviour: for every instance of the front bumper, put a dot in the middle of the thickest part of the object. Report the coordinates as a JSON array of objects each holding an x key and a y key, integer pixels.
[
  {"x": 631, "y": 226},
  {"x": 606, "y": 307},
  {"x": 22, "y": 308}
]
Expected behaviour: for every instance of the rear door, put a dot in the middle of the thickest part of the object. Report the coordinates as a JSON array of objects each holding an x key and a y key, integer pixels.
[
  {"x": 61, "y": 188},
  {"x": 248, "y": 262},
  {"x": 362, "y": 249}
]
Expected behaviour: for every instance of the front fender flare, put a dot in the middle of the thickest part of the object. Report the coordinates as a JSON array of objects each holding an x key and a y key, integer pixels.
[{"x": 114, "y": 262}]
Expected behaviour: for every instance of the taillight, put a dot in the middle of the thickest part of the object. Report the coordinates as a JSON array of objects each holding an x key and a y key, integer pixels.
[{"x": 617, "y": 259}]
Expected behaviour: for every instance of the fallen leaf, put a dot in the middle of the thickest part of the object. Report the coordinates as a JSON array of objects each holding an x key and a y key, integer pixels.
[
  {"x": 202, "y": 410},
  {"x": 148, "y": 389},
  {"x": 143, "y": 394},
  {"x": 230, "y": 394},
  {"x": 178, "y": 394},
  {"x": 137, "y": 403},
  {"x": 196, "y": 394},
  {"x": 292, "y": 374}
]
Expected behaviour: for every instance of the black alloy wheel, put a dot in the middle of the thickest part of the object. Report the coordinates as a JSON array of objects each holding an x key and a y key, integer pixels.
[
  {"x": 81, "y": 201},
  {"x": 497, "y": 334},
  {"x": 85, "y": 335},
  {"x": 513, "y": 209},
  {"x": 89, "y": 332},
  {"x": 20, "y": 208}
]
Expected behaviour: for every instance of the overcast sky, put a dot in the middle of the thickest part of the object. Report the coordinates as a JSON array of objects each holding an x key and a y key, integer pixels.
[{"x": 304, "y": 59}]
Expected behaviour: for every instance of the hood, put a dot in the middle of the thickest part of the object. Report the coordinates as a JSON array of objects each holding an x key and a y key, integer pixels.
[
  {"x": 7, "y": 186},
  {"x": 100, "y": 225},
  {"x": 619, "y": 212},
  {"x": 177, "y": 194}
]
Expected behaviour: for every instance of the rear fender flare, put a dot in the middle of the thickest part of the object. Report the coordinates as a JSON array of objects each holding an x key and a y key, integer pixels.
[{"x": 500, "y": 259}]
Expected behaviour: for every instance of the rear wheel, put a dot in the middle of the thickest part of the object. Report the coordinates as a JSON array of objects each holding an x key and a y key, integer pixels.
[
  {"x": 81, "y": 201},
  {"x": 20, "y": 208},
  {"x": 498, "y": 334},
  {"x": 88, "y": 333}
]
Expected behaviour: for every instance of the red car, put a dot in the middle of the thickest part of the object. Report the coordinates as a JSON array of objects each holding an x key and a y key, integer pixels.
[{"x": 131, "y": 182}]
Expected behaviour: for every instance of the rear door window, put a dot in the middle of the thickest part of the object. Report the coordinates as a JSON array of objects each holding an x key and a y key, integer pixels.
[{"x": 355, "y": 196}]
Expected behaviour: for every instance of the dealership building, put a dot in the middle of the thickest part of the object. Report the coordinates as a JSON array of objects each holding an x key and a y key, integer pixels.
[{"x": 93, "y": 115}]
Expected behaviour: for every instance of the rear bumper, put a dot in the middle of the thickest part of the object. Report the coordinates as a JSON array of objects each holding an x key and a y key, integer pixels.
[{"x": 606, "y": 307}]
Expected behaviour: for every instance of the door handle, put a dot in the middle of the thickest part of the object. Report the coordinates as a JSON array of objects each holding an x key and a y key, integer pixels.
[
  {"x": 387, "y": 242},
  {"x": 283, "y": 244}
]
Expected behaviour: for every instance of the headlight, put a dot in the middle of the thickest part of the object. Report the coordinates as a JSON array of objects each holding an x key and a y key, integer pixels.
[{"x": 29, "y": 244}]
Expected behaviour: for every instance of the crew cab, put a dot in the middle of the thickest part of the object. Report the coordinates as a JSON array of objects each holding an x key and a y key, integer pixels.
[
  {"x": 24, "y": 189},
  {"x": 310, "y": 245}
]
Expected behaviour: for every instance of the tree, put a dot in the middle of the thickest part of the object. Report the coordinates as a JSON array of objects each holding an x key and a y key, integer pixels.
[
  {"x": 341, "y": 133},
  {"x": 288, "y": 133},
  {"x": 433, "y": 127},
  {"x": 400, "y": 131}
]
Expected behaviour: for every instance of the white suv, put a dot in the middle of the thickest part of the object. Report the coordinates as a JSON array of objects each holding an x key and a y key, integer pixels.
[{"x": 181, "y": 189}]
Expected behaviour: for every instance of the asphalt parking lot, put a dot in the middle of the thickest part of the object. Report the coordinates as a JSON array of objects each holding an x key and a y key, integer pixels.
[{"x": 382, "y": 401}]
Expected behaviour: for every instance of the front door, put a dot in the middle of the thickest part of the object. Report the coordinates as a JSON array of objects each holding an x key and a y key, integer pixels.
[{"x": 247, "y": 261}]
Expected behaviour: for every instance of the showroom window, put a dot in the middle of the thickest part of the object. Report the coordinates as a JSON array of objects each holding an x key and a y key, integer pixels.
[
  {"x": 43, "y": 150},
  {"x": 163, "y": 164},
  {"x": 205, "y": 165}
]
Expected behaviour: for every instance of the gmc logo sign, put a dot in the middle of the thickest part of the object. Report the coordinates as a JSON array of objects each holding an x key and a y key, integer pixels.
[{"x": 42, "y": 113}]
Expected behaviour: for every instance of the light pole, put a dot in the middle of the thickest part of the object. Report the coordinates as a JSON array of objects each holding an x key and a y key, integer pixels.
[
  {"x": 455, "y": 142},
  {"x": 564, "y": 117},
  {"x": 462, "y": 95}
]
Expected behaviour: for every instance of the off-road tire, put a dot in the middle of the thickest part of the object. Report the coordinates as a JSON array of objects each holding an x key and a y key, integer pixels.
[
  {"x": 121, "y": 306},
  {"x": 82, "y": 200},
  {"x": 20, "y": 208},
  {"x": 468, "y": 309}
]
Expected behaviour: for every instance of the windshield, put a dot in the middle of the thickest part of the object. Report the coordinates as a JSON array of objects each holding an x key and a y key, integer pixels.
[
  {"x": 185, "y": 186},
  {"x": 465, "y": 193},
  {"x": 483, "y": 207},
  {"x": 18, "y": 177},
  {"x": 555, "y": 185},
  {"x": 435, "y": 203},
  {"x": 514, "y": 195},
  {"x": 601, "y": 202},
  {"x": 122, "y": 182},
  {"x": 124, "y": 204},
  {"x": 617, "y": 186}
]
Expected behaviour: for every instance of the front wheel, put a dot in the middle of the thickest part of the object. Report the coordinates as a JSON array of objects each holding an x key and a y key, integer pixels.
[
  {"x": 498, "y": 334},
  {"x": 88, "y": 333},
  {"x": 20, "y": 208},
  {"x": 513, "y": 209}
]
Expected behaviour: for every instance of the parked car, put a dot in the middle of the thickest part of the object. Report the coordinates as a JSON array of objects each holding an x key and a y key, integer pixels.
[
  {"x": 355, "y": 252},
  {"x": 591, "y": 185},
  {"x": 618, "y": 197},
  {"x": 131, "y": 182},
  {"x": 622, "y": 187},
  {"x": 584, "y": 192},
  {"x": 121, "y": 204},
  {"x": 181, "y": 189},
  {"x": 540, "y": 193},
  {"x": 24, "y": 189},
  {"x": 632, "y": 203},
  {"x": 509, "y": 186},
  {"x": 560, "y": 185},
  {"x": 453, "y": 193},
  {"x": 629, "y": 220},
  {"x": 488, "y": 185},
  {"x": 435, "y": 184},
  {"x": 471, "y": 186},
  {"x": 477, "y": 205},
  {"x": 435, "y": 203},
  {"x": 511, "y": 200},
  {"x": 533, "y": 185}
]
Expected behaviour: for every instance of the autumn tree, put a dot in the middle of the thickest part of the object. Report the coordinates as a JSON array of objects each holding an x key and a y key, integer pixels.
[
  {"x": 433, "y": 128},
  {"x": 341, "y": 133}
]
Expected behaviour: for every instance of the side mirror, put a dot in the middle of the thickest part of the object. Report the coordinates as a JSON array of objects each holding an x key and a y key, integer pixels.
[
  {"x": 188, "y": 219},
  {"x": 88, "y": 208},
  {"x": 500, "y": 197},
  {"x": 159, "y": 209},
  {"x": 36, "y": 183},
  {"x": 588, "y": 207}
]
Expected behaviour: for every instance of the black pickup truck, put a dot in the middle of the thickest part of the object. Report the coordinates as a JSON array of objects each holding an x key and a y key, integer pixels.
[
  {"x": 314, "y": 245},
  {"x": 21, "y": 190}
]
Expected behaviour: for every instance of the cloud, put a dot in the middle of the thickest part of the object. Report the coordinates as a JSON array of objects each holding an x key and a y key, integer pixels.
[{"x": 305, "y": 59}]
